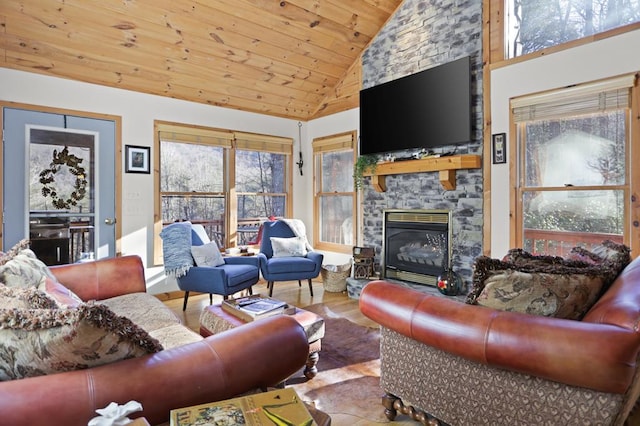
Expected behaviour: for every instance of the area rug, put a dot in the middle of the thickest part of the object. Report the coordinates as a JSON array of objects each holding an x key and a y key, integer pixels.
[{"x": 348, "y": 380}]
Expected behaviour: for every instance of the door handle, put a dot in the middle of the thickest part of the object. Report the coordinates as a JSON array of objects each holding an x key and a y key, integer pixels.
[{"x": 110, "y": 221}]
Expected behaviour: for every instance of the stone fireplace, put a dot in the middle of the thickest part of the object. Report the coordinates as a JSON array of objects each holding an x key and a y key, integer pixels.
[
  {"x": 421, "y": 35},
  {"x": 416, "y": 245}
]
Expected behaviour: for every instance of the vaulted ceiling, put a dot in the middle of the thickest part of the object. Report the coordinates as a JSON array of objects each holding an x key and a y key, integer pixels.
[{"x": 298, "y": 59}]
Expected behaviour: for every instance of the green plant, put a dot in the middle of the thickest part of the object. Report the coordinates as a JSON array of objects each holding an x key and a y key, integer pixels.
[{"x": 364, "y": 164}]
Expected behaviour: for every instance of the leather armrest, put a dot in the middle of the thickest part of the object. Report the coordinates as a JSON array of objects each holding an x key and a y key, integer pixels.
[
  {"x": 257, "y": 355},
  {"x": 104, "y": 278},
  {"x": 596, "y": 356}
]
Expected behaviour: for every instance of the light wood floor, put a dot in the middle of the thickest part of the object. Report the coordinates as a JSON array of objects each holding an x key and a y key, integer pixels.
[{"x": 338, "y": 303}]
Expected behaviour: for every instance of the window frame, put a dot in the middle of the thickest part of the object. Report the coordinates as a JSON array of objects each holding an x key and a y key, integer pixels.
[
  {"x": 228, "y": 140},
  {"x": 494, "y": 44},
  {"x": 339, "y": 142},
  {"x": 493, "y": 56},
  {"x": 631, "y": 228}
]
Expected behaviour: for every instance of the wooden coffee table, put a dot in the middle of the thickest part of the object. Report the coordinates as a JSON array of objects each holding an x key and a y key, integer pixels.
[{"x": 214, "y": 320}]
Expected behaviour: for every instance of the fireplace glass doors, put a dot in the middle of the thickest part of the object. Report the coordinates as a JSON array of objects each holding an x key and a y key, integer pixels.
[{"x": 416, "y": 245}]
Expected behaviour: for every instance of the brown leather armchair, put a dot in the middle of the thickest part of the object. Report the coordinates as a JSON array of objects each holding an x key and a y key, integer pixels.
[{"x": 444, "y": 360}]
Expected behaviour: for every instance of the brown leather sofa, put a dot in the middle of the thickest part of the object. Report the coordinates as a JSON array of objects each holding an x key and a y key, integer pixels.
[
  {"x": 251, "y": 357},
  {"x": 447, "y": 361}
]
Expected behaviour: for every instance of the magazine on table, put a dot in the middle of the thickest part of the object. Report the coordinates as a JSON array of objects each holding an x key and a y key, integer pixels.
[
  {"x": 278, "y": 407},
  {"x": 254, "y": 307}
]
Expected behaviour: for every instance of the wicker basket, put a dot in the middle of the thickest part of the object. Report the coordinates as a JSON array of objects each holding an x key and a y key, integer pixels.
[{"x": 334, "y": 277}]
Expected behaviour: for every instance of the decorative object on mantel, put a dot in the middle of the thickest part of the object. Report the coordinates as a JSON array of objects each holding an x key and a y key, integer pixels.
[
  {"x": 446, "y": 165},
  {"x": 365, "y": 165},
  {"x": 47, "y": 179}
]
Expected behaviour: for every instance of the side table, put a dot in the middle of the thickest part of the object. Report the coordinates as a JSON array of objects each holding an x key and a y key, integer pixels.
[{"x": 214, "y": 320}]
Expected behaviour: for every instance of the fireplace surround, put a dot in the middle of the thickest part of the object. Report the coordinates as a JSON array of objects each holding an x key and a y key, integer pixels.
[{"x": 416, "y": 245}]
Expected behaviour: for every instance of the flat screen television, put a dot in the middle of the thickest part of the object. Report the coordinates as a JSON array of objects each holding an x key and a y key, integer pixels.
[{"x": 427, "y": 109}]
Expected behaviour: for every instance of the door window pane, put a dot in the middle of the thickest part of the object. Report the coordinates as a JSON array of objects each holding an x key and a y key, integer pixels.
[{"x": 61, "y": 195}]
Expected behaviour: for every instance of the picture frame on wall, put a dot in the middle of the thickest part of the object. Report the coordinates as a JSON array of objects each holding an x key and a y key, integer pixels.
[
  {"x": 137, "y": 159},
  {"x": 499, "y": 148}
]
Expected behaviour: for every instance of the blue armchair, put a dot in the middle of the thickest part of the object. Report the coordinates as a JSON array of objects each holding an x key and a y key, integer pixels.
[
  {"x": 286, "y": 268},
  {"x": 234, "y": 275}
]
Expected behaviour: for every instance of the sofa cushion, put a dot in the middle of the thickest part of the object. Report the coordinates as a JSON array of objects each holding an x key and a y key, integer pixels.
[
  {"x": 144, "y": 309},
  {"x": 175, "y": 335},
  {"x": 538, "y": 285},
  {"x": 35, "y": 342}
]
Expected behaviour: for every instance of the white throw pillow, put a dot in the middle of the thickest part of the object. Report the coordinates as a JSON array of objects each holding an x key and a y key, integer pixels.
[
  {"x": 287, "y": 247},
  {"x": 207, "y": 255}
]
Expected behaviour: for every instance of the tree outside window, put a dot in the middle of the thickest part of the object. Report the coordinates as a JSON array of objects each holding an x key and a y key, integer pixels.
[
  {"x": 196, "y": 182},
  {"x": 573, "y": 171},
  {"x": 334, "y": 192},
  {"x": 533, "y": 25}
]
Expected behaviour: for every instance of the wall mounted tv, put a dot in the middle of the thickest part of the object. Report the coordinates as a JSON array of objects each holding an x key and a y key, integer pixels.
[{"x": 427, "y": 109}]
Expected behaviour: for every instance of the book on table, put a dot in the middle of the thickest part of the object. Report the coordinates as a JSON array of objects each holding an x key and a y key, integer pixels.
[
  {"x": 254, "y": 307},
  {"x": 277, "y": 407}
]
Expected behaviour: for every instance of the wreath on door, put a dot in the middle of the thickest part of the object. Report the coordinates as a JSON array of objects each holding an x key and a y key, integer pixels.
[{"x": 48, "y": 179}]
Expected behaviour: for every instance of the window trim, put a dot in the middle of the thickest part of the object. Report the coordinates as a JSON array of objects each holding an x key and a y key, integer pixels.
[
  {"x": 493, "y": 56},
  {"x": 228, "y": 140},
  {"x": 631, "y": 229},
  {"x": 332, "y": 143}
]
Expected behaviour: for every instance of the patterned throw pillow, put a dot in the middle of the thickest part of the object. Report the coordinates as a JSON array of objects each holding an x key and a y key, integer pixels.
[
  {"x": 24, "y": 298},
  {"x": 21, "y": 245},
  {"x": 63, "y": 297},
  {"x": 538, "y": 285},
  {"x": 207, "y": 254},
  {"x": 24, "y": 270},
  {"x": 288, "y": 247},
  {"x": 35, "y": 342},
  {"x": 613, "y": 256}
]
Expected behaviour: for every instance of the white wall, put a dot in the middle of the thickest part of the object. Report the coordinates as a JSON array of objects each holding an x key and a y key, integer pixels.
[
  {"x": 138, "y": 111},
  {"x": 606, "y": 58}
]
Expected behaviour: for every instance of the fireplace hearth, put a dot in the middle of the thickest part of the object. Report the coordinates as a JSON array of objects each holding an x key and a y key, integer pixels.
[{"x": 416, "y": 245}]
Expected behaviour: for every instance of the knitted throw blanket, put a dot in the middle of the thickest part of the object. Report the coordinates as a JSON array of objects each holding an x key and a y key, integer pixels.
[{"x": 176, "y": 248}]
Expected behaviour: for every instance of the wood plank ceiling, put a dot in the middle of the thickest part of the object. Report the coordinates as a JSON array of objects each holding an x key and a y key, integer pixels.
[{"x": 298, "y": 59}]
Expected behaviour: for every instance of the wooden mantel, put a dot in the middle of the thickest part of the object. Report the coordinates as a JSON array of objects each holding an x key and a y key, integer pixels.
[{"x": 447, "y": 167}]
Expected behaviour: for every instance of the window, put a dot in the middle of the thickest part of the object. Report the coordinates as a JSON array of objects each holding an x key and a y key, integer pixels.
[
  {"x": 573, "y": 168},
  {"x": 335, "y": 198},
  {"x": 227, "y": 181},
  {"x": 261, "y": 181},
  {"x": 534, "y": 25}
]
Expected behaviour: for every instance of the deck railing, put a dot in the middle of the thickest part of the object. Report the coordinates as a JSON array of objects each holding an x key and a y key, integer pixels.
[{"x": 560, "y": 243}]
